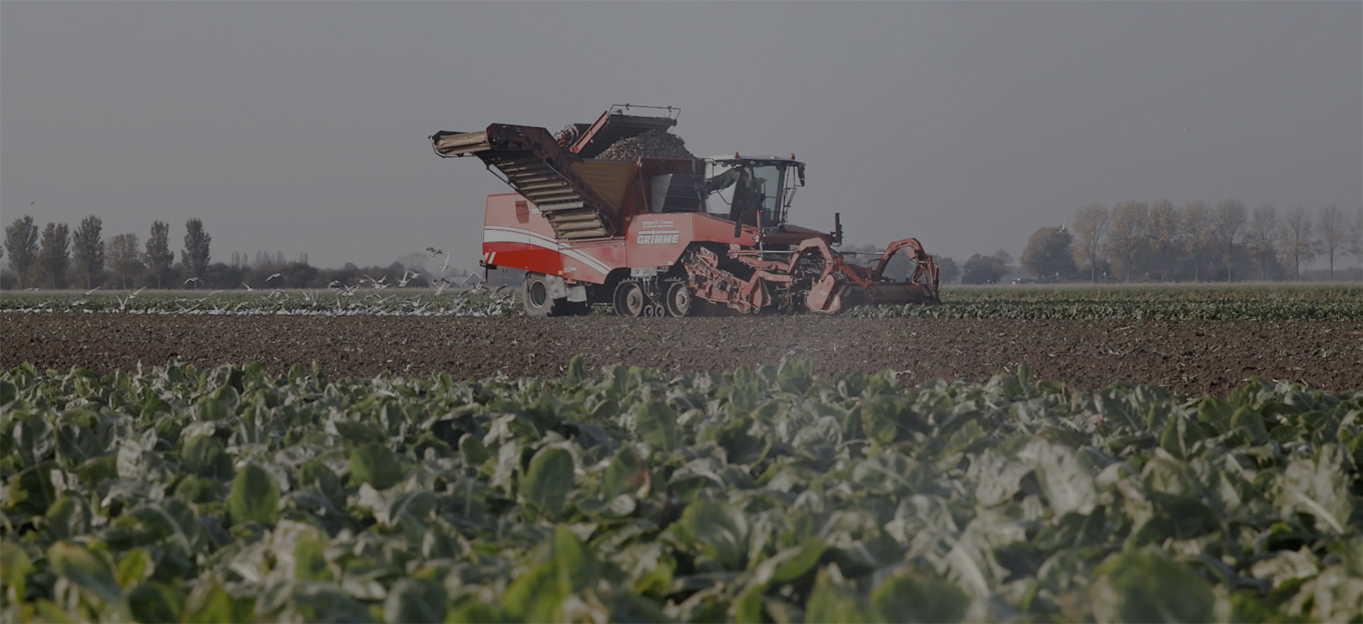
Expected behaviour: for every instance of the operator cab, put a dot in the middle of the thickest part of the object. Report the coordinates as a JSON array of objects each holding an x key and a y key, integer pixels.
[{"x": 740, "y": 188}]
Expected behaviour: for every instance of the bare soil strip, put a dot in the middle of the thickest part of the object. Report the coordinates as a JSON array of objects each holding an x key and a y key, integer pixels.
[{"x": 1190, "y": 357}]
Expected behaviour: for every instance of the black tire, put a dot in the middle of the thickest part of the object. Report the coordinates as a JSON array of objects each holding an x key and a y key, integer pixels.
[
  {"x": 630, "y": 299},
  {"x": 537, "y": 302},
  {"x": 535, "y": 296},
  {"x": 678, "y": 299},
  {"x": 575, "y": 308}
]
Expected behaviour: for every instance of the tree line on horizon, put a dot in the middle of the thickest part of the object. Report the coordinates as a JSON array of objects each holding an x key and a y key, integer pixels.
[
  {"x": 1133, "y": 241},
  {"x": 1136, "y": 241},
  {"x": 57, "y": 258}
]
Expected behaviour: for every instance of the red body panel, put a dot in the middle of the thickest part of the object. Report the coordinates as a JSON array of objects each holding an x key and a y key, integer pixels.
[{"x": 516, "y": 235}]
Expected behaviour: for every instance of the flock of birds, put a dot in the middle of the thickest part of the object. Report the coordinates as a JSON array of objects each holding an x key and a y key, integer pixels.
[{"x": 472, "y": 298}]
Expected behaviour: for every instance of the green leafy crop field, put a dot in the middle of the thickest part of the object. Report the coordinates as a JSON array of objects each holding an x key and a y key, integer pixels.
[
  {"x": 227, "y": 494},
  {"x": 1283, "y": 302},
  {"x": 1183, "y": 302},
  {"x": 330, "y": 302}
]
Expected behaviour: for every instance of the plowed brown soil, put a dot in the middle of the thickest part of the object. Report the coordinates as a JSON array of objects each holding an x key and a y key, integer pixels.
[{"x": 1192, "y": 357}]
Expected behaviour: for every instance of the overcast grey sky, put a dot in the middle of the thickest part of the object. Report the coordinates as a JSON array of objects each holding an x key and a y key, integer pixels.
[{"x": 301, "y": 126}]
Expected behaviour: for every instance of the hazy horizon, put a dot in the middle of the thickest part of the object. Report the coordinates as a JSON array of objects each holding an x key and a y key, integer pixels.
[{"x": 301, "y": 127}]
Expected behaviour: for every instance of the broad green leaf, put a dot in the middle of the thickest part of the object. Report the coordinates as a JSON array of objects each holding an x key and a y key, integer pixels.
[
  {"x": 1287, "y": 567},
  {"x": 720, "y": 530},
  {"x": 254, "y": 496},
  {"x": 657, "y": 423},
  {"x": 77, "y": 445},
  {"x": 1318, "y": 486},
  {"x": 577, "y": 369},
  {"x": 174, "y": 523},
  {"x": 310, "y": 561},
  {"x": 887, "y": 418},
  {"x": 89, "y": 571},
  {"x": 1148, "y": 586},
  {"x": 912, "y": 596},
  {"x": 747, "y": 607},
  {"x": 33, "y": 487},
  {"x": 1180, "y": 435},
  {"x": 1251, "y": 423},
  {"x": 134, "y": 568},
  {"x": 795, "y": 375},
  {"x": 577, "y": 568},
  {"x": 472, "y": 449},
  {"x": 1065, "y": 478},
  {"x": 474, "y": 612},
  {"x": 790, "y": 564},
  {"x": 204, "y": 455},
  {"x": 833, "y": 602},
  {"x": 534, "y": 596},
  {"x": 997, "y": 477},
  {"x": 156, "y": 602},
  {"x": 376, "y": 465},
  {"x": 68, "y": 518},
  {"x": 411, "y": 601},
  {"x": 14, "y": 569},
  {"x": 627, "y": 607},
  {"x": 550, "y": 478},
  {"x": 213, "y": 605},
  {"x": 1165, "y": 475},
  {"x": 33, "y": 439},
  {"x": 626, "y": 473},
  {"x": 315, "y": 473},
  {"x": 740, "y": 444}
]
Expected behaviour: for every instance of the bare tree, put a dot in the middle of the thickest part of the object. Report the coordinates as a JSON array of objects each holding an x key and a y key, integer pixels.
[
  {"x": 21, "y": 240},
  {"x": 1199, "y": 236},
  {"x": 1162, "y": 236},
  {"x": 1298, "y": 239},
  {"x": 87, "y": 244},
  {"x": 1127, "y": 242},
  {"x": 55, "y": 255},
  {"x": 159, "y": 257},
  {"x": 195, "y": 256},
  {"x": 1261, "y": 236},
  {"x": 124, "y": 260},
  {"x": 1090, "y": 226},
  {"x": 1229, "y": 218},
  {"x": 1333, "y": 231}
]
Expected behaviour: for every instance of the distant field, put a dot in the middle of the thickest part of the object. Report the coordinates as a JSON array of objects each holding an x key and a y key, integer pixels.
[
  {"x": 1338, "y": 301},
  {"x": 325, "y": 302},
  {"x": 1140, "y": 301}
]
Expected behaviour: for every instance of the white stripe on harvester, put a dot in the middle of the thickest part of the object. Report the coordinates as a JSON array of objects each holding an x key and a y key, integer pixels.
[{"x": 500, "y": 234}]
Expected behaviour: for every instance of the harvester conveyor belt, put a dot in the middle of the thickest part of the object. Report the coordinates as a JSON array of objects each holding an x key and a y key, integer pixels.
[{"x": 538, "y": 168}]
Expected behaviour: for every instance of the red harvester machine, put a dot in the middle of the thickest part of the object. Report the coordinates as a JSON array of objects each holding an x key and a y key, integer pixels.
[{"x": 664, "y": 236}]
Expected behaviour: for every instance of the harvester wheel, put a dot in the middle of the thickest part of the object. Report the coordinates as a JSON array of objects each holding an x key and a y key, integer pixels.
[
  {"x": 539, "y": 302},
  {"x": 630, "y": 299},
  {"x": 678, "y": 299}
]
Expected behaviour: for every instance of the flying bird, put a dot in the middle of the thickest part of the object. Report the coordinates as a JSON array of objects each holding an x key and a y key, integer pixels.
[{"x": 274, "y": 276}]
